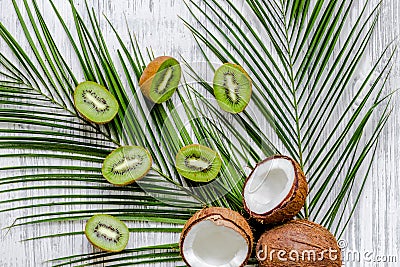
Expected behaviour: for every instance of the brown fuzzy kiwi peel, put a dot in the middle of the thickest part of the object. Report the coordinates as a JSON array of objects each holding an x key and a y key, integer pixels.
[
  {"x": 301, "y": 236},
  {"x": 221, "y": 217},
  {"x": 293, "y": 202}
]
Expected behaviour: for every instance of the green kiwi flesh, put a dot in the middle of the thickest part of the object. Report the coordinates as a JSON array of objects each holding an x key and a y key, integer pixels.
[
  {"x": 95, "y": 102},
  {"x": 232, "y": 87},
  {"x": 126, "y": 164},
  {"x": 107, "y": 233},
  {"x": 198, "y": 163}
]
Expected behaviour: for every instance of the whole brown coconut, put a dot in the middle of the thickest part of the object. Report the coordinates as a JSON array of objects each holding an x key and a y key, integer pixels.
[
  {"x": 216, "y": 237},
  {"x": 275, "y": 191},
  {"x": 298, "y": 243}
]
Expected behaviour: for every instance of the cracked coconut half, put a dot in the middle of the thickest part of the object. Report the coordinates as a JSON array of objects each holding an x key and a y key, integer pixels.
[
  {"x": 216, "y": 237},
  {"x": 275, "y": 190}
]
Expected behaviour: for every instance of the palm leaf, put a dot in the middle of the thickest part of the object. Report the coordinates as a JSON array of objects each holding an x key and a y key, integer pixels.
[
  {"x": 287, "y": 57},
  {"x": 78, "y": 147}
]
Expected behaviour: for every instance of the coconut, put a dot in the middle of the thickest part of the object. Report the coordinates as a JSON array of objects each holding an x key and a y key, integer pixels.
[
  {"x": 298, "y": 243},
  {"x": 216, "y": 237},
  {"x": 275, "y": 191}
]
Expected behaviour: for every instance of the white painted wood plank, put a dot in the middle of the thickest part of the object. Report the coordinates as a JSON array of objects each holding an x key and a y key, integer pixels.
[{"x": 376, "y": 224}]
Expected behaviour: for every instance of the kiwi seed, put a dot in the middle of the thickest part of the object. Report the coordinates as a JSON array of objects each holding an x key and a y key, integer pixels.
[
  {"x": 107, "y": 233},
  {"x": 95, "y": 103},
  {"x": 232, "y": 87},
  {"x": 160, "y": 79},
  {"x": 198, "y": 163},
  {"x": 126, "y": 164}
]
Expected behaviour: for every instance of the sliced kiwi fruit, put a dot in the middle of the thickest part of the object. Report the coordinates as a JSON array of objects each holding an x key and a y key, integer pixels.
[
  {"x": 198, "y": 163},
  {"x": 107, "y": 233},
  {"x": 160, "y": 79},
  {"x": 126, "y": 164},
  {"x": 95, "y": 103},
  {"x": 232, "y": 87}
]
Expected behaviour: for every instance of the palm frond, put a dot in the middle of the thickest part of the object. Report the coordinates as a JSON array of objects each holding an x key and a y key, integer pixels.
[
  {"x": 159, "y": 253},
  {"x": 295, "y": 59},
  {"x": 290, "y": 59},
  {"x": 32, "y": 95}
]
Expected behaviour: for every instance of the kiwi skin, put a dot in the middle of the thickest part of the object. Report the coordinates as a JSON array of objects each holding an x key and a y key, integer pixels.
[
  {"x": 241, "y": 69},
  {"x": 149, "y": 73},
  {"x": 106, "y": 90},
  {"x": 132, "y": 181}
]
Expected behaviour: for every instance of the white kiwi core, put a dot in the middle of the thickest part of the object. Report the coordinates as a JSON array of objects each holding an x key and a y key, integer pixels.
[
  {"x": 232, "y": 86},
  {"x": 269, "y": 184},
  {"x": 112, "y": 234},
  {"x": 126, "y": 164},
  {"x": 96, "y": 102},
  {"x": 198, "y": 163},
  {"x": 167, "y": 76},
  {"x": 209, "y": 244}
]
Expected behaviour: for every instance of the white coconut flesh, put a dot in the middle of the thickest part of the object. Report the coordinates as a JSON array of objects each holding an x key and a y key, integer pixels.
[
  {"x": 208, "y": 244},
  {"x": 269, "y": 184}
]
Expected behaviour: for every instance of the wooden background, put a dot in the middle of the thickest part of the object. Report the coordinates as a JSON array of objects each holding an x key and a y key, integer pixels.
[{"x": 375, "y": 227}]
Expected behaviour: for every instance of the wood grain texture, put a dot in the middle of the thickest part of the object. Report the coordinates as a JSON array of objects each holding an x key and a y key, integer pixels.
[{"x": 375, "y": 226}]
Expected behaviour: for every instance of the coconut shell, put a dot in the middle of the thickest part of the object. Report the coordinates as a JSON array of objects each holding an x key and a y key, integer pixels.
[
  {"x": 300, "y": 240},
  {"x": 149, "y": 73},
  {"x": 221, "y": 217},
  {"x": 293, "y": 202}
]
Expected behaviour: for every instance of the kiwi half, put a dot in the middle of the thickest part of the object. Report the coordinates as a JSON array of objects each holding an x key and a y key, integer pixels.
[
  {"x": 232, "y": 87},
  {"x": 95, "y": 103},
  {"x": 198, "y": 163},
  {"x": 160, "y": 79},
  {"x": 126, "y": 164},
  {"x": 107, "y": 233}
]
